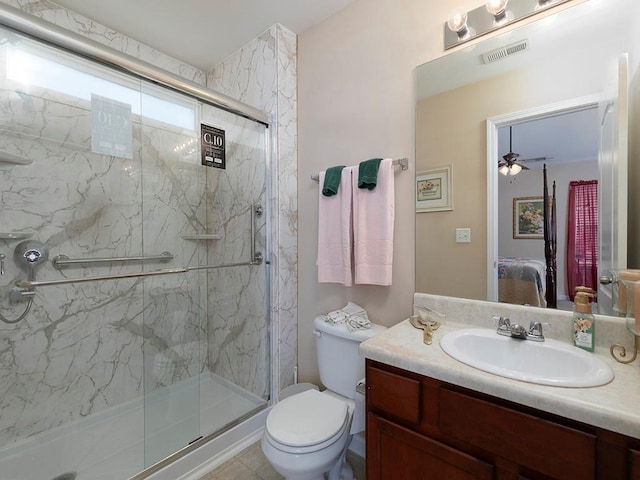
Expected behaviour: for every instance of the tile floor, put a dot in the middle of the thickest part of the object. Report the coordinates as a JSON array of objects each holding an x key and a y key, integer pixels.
[{"x": 250, "y": 464}]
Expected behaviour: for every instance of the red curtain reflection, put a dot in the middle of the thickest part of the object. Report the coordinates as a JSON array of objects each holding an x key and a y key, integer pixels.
[{"x": 582, "y": 236}]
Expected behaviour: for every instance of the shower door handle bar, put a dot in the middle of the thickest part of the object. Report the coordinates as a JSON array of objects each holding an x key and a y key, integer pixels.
[
  {"x": 166, "y": 271},
  {"x": 256, "y": 212},
  {"x": 62, "y": 261},
  {"x": 66, "y": 281},
  {"x": 224, "y": 265}
]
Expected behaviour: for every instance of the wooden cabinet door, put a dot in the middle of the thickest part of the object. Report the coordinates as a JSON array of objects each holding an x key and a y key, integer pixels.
[
  {"x": 397, "y": 453},
  {"x": 634, "y": 464}
]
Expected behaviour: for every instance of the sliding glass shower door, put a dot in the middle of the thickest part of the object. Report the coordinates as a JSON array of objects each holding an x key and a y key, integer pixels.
[{"x": 145, "y": 309}]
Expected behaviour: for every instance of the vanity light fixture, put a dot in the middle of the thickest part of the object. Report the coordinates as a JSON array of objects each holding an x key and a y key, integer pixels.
[
  {"x": 457, "y": 22},
  {"x": 497, "y": 8},
  {"x": 463, "y": 26}
]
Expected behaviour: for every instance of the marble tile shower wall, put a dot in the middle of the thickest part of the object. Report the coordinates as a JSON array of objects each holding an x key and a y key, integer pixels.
[
  {"x": 173, "y": 203},
  {"x": 238, "y": 342},
  {"x": 263, "y": 74},
  {"x": 60, "y": 334},
  {"x": 80, "y": 349}
]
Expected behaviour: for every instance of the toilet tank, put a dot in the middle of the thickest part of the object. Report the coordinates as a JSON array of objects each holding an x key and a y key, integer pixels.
[{"x": 340, "y": 365}]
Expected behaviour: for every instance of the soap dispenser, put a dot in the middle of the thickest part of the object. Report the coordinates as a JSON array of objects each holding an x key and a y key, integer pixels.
[{"x": 584, "y": 323}]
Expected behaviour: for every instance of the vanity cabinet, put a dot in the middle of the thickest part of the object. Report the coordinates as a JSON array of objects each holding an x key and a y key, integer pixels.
[{"x": 421, "y": 428}]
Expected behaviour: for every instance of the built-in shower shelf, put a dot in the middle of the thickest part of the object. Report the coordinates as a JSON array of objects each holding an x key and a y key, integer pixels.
[
  {"x": 14, "y": 159},
  {"x": 202, "y": 236},
  {"x": 14, "y": 235}
]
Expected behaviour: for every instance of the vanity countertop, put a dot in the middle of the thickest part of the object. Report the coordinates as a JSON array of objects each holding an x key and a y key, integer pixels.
[{"x": 614, "y": 407}]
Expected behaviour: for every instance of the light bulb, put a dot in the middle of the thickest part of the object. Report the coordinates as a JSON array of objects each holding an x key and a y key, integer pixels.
[
  {"x": 504, "y": 170},
  {"x": 496, "y": 7},
  {"x": 458, "y": 21},
  {"x": 515, "y": 169}
]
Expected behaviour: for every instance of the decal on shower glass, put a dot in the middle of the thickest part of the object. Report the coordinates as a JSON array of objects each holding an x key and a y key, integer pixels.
[
  {"x": 111, "y": 127},
  {"x": 213, "y": 146}
]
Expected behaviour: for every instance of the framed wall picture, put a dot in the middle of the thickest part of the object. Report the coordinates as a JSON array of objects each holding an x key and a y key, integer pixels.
[
  {"x": 433, "y": 190},
  {"x": 528, "y": 218}
]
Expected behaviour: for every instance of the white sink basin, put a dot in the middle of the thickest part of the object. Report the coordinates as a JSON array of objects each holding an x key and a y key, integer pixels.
[{"x": 545, "y": 363}]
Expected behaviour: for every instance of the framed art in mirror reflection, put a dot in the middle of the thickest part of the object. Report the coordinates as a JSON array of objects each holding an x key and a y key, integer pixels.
[{"x": 434, "y": 190}]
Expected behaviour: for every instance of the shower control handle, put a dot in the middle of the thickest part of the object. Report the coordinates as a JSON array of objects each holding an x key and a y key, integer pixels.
[
  {"x": 32, "y": 256},
  {"x": 2, "y": 257}
]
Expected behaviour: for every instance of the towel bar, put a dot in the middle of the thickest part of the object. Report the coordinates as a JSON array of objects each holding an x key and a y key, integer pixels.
[{"x": 403, "y": 162}]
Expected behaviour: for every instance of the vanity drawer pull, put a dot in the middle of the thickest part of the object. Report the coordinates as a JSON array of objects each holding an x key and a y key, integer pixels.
[{"x": 394, "y": 395}]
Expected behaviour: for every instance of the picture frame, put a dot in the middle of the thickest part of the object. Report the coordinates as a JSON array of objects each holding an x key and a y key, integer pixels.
[
  {"x": 433, "y": 190},
  {"x": 528, "y": 218}
]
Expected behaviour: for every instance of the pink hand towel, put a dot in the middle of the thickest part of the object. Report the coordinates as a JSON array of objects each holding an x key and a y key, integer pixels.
[
  {"x": 373, "y": 217},
  {"x": 335, "y": 232}
]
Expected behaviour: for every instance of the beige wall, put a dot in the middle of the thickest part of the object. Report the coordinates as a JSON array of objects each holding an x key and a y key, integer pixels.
[
  {"x": 462, "y": 270},
  {"x": 356, "y": 100}
]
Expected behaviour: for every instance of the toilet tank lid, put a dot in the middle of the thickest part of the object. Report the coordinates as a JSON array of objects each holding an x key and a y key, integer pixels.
[{"x": 342, "y": 330}]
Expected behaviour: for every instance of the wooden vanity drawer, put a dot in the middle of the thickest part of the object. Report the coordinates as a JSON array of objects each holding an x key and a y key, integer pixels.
[
  {"x": 394, "y": 395},
  {"x": 552, "y": 449}
]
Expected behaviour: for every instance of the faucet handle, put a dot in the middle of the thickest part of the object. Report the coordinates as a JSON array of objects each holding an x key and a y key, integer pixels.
[
  {"x": 535, "y": 331},
  {"x": 504, "y": 325}
]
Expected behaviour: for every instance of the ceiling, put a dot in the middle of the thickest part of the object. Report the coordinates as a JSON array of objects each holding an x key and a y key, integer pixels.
[
  {"x": 566, "y": 138},
  {"x": 202, "y": 32}
]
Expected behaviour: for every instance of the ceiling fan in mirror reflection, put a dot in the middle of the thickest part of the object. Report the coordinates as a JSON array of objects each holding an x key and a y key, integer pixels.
[{"x": 509, "y": 164}]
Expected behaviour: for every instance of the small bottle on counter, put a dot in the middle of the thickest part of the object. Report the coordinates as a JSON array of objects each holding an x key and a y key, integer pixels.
[{"x": 584, "y": 323}]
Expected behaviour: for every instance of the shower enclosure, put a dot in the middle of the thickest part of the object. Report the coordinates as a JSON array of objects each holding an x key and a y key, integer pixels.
[{"x": 134, "y": 294}]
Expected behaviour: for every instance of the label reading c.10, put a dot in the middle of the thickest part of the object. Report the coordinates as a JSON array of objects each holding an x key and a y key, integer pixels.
[{"x": 213, "y": 146}]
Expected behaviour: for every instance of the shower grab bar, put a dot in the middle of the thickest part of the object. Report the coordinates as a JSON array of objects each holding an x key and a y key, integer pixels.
[
  {"x": 256, "y": 259},
  {"x": 62, "y": 261},
  {"x": 165, "y": 271}
]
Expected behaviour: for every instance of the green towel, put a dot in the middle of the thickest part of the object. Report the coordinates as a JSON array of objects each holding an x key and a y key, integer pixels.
[
  {"x": 368, "y": 173},
  {"x": 332, "y": 181}
]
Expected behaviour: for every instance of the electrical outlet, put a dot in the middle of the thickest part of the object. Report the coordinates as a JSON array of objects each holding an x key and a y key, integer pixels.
[{"x": 463, "y": 235}]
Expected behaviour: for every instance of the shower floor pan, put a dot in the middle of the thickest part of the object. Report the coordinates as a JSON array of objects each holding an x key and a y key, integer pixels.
[{"x": 110, "y": 445}]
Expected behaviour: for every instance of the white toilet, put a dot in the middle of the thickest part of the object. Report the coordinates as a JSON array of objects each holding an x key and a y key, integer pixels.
[{"x": 307, "y": 434}]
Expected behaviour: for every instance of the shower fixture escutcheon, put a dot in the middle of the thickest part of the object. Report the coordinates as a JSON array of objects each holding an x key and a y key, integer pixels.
[{"x": 30, "y": 254}]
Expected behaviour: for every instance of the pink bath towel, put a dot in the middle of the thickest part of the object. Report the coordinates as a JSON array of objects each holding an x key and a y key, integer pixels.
[
  {"x": 335, "y": 232},
  {"x": 373, "y": 216}
]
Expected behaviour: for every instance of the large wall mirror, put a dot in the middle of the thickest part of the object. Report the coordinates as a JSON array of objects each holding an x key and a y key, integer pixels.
[{"x": 560, "y": 92}]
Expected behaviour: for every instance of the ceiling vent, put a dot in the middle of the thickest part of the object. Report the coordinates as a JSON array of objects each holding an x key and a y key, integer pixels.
[{"x": 504, "y": 52}]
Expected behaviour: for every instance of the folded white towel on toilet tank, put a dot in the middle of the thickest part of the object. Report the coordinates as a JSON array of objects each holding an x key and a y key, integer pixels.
[{"x": 354, "y": 316}]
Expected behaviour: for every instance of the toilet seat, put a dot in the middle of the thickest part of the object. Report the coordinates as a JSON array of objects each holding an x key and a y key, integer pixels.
[{"x": 309, "y": 420}]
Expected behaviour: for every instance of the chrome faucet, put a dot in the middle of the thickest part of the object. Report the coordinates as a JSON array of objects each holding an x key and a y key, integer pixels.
[{"x": 506, "y": 328}]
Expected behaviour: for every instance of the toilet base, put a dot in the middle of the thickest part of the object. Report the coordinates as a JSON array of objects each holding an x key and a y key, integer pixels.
[
  {"x": 310, "y": 466},
  {"x": 341, "y": 470}
]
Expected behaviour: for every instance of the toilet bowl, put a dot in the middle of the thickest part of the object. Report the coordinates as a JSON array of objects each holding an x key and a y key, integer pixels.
[{"x": 307, "y": 434}]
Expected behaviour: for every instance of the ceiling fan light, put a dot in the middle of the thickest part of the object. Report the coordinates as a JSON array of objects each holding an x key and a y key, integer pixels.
[
  {"x": 504, "y": 170},
  {"x": 515, "y": 169}
]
